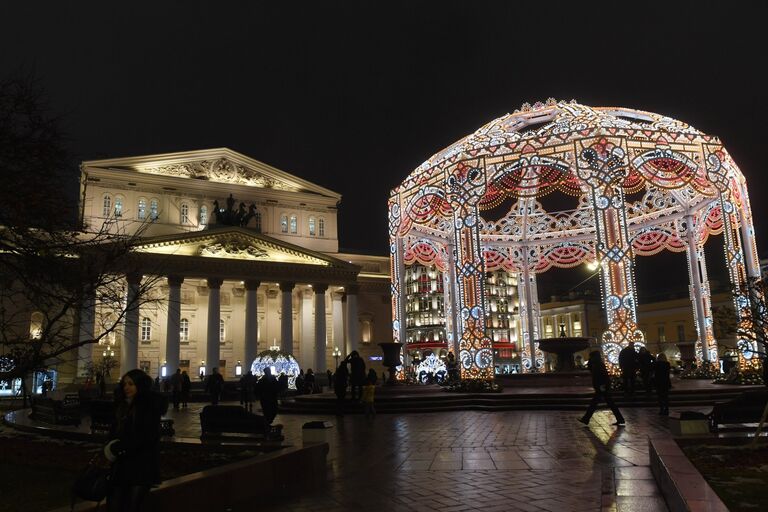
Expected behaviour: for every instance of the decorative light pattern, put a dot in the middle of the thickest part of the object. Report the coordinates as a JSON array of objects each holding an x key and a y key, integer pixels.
[
  {"x": 431, "y": 368},
  {"x": 278, "y": 362},
  {"x": 690, "y": 187}
]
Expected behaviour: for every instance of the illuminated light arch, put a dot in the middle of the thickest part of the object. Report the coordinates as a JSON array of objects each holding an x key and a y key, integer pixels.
[{"x": 690, "y": 186}]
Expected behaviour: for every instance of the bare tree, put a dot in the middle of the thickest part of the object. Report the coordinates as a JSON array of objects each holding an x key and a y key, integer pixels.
[
  {"x": 51, "y": 267},
  {"x": 755, "y": 330}
]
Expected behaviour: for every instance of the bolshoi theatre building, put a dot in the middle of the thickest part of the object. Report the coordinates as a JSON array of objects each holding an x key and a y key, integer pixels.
[{"x": 244, "y": 258}]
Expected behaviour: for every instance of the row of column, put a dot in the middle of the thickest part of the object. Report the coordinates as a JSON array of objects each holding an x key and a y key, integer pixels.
[{"x": 129, "y": 348}]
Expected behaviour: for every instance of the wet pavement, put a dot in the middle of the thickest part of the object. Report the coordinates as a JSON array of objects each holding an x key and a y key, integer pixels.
[
  {"x": 474, "y": 460},
  {"x": 490, "y": 461}
]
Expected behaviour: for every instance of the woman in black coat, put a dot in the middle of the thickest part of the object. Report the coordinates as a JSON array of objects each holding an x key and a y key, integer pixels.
[
  {"x": 601, "y": 382},
  {"x": 663, "y": 383},
  {"x": 135, "y": 442}
]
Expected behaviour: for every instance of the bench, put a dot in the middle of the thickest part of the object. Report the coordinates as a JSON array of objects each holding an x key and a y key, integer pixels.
[
  {"x": 57, "y": 412},
  {"x": 748, "y": 408},
  {"x": 233, "y": 419},
  {"x": 103, "y": 414}
]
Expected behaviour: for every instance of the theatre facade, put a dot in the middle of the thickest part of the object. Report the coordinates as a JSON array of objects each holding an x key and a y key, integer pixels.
[{"x": 243, "y": 258}]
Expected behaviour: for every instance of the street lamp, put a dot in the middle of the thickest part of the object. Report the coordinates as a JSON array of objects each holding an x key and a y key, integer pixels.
[
  {"x": 202, "y": 369},
  {"x": 336, "y": 355},
  {"x": 164, "y": 369},
  {"x": 238, "y": 369}
]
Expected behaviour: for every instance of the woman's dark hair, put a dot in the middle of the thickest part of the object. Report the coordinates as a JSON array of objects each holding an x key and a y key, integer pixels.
[
  {"x": 142, "y": 381},
  {"x": 595, "y": 356}
]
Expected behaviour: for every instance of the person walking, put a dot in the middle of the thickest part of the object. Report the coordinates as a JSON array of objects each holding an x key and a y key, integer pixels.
[
  {"x": 186, "y": 387},
  {"x": 372, "y": 377},
  {"x": 214, "y": 386},
  {"x": 329, "y": 373},
  {"x": 268, "y": 388},
  {"x": 663, "y": 383},
  {"x": 645, "y": 360},
  {"x": 357, "y": 375},
  {"x": 134, "y": 446},
  {"x": 340, "y": 379},
  {"x": 246, "y": 391},
  {"x": 309, "y": 381},
  {"x": 176, "y": 388},
  {"x": 368, "y": 392},
  {"x": 628, "y": 363},
  {"x": 601, "y": 382}
]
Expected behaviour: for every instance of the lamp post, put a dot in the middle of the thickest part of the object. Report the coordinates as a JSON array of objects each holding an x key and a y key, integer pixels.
[
  {"x": 202, "y": 369},
  {"x": 336, "y": 355},
  {"x": 238, "y": 369}
]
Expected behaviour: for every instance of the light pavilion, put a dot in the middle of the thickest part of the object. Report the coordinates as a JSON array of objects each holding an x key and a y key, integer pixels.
[{"x": 641, "y": 183}]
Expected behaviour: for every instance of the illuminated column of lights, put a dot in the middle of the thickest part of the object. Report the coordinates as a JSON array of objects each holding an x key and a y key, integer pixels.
[
  {"x": 396, "y": 271},
  {"x": 734, "y": 255},
  {"x": 465, "y": 185},
  {"x": 699, "y": 293},
  {"x": 529, "y": 317},
  {"x": 603, "y": 164},
  {"x": 752, "y": 263},
  {"x": 449, "y": 292}
]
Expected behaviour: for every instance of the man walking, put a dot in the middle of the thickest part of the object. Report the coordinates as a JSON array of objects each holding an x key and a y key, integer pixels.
[
  {"x": 214, "y": 386},
  {"x": 628, "y": 362},
  {"x": 176, "y": 388}
]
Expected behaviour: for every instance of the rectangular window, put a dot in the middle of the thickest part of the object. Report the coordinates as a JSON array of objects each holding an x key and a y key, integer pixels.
[
  {"x": 680, "y": 333},
  {"x": 222, "y": 331},
  {"x": 294, "y": 225},
  {"x": 145, "y": 366},
  {"x": 662, "y": 336},
  {"x": 184, "y": 330},
  {"x": 184, "y": 213},
  {"x": 321, "y": 227},
  {"x": 312, "y": 226},
  {"x": 283, "y": 223},
  {"x": 146, "y": 329},
  {"x": 107, "y": 207}
]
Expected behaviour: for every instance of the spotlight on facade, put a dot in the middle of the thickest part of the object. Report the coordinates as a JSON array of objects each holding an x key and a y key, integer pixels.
[
  {"x": 202, "y": 368},
  {"x": 164, "y": 369},
  {"x": 238, "y": 369}
]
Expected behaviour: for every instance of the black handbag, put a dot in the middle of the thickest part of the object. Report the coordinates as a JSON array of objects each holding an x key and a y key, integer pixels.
[{"x": 93, "y": 483}]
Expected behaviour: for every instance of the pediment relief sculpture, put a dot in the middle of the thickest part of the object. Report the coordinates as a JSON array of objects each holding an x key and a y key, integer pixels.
[
  {"x": 220, "y": 170},
  {"x": 237, "y": 249}
]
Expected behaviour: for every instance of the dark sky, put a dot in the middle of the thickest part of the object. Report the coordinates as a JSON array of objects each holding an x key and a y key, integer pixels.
[{"x": 354, "y": 95}]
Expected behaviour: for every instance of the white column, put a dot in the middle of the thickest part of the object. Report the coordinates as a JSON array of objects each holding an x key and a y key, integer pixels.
[
  {"x": 353, "y": 324},
  {"x": 449, "y": 292},
  {"x": 86, "y": 334},
  {"x": 320, "y": 330},
  {"x": 697, "y": 288},
  {"x": 337, "y": 317},
  {"x": 286, "y": 317},
  {"x": 129, "y": 349},
  {"x": 529, "y": 311},
  {"x": 251, "y": 347},
  {"x": 172, "y": 332},
  {"x": 306, "y": 357},
  {"x": 213, "y": 340}
]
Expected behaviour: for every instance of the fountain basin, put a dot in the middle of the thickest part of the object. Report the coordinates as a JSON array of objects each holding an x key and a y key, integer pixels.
[{"x": 564, "y": 347}]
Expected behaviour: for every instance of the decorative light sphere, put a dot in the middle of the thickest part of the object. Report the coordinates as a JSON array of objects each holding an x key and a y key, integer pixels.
[{"x": 278, "y": 362}]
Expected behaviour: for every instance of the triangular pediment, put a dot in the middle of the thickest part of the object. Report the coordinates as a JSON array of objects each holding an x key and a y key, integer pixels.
[
  {"x": 221, "y": 165},
  {"x": 236, "y": 244}
]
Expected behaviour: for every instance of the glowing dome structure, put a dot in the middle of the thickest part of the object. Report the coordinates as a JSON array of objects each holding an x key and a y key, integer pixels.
[
  {"x": 637, "y": 182},
  {"x": 278, "y": 362}
]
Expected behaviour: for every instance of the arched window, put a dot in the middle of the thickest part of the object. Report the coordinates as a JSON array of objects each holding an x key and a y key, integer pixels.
[
  {"x": 367, "y": 331},
  {"x": 321, "y": 227},
  {"x": 184, "y": 213},
  {"x": 36, "y": 326},
  {"x": 283, "y": 223},
  {"x": 106, "y": 210},
  {"x": 222, "y": 331},
  {"x": 146, "y": 329},
  {"x": 141, "y": 211},
  {"x": 203, "y": 215},
  {"x": 257, "y": 221},
  {"x": 184, "y": 330},
  {"x": 118, "y": 206},
  {"x": 294, "y": 225},
  {"x": 312, "y": 226},
  {"x": 153, "y": 210}
]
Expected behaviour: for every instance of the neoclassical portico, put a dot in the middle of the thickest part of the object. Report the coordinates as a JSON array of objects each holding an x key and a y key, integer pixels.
[{"x": 205, "y": 263}]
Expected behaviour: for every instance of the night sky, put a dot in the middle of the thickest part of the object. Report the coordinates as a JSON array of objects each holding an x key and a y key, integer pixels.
[{"x": 354, "y": 95}]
